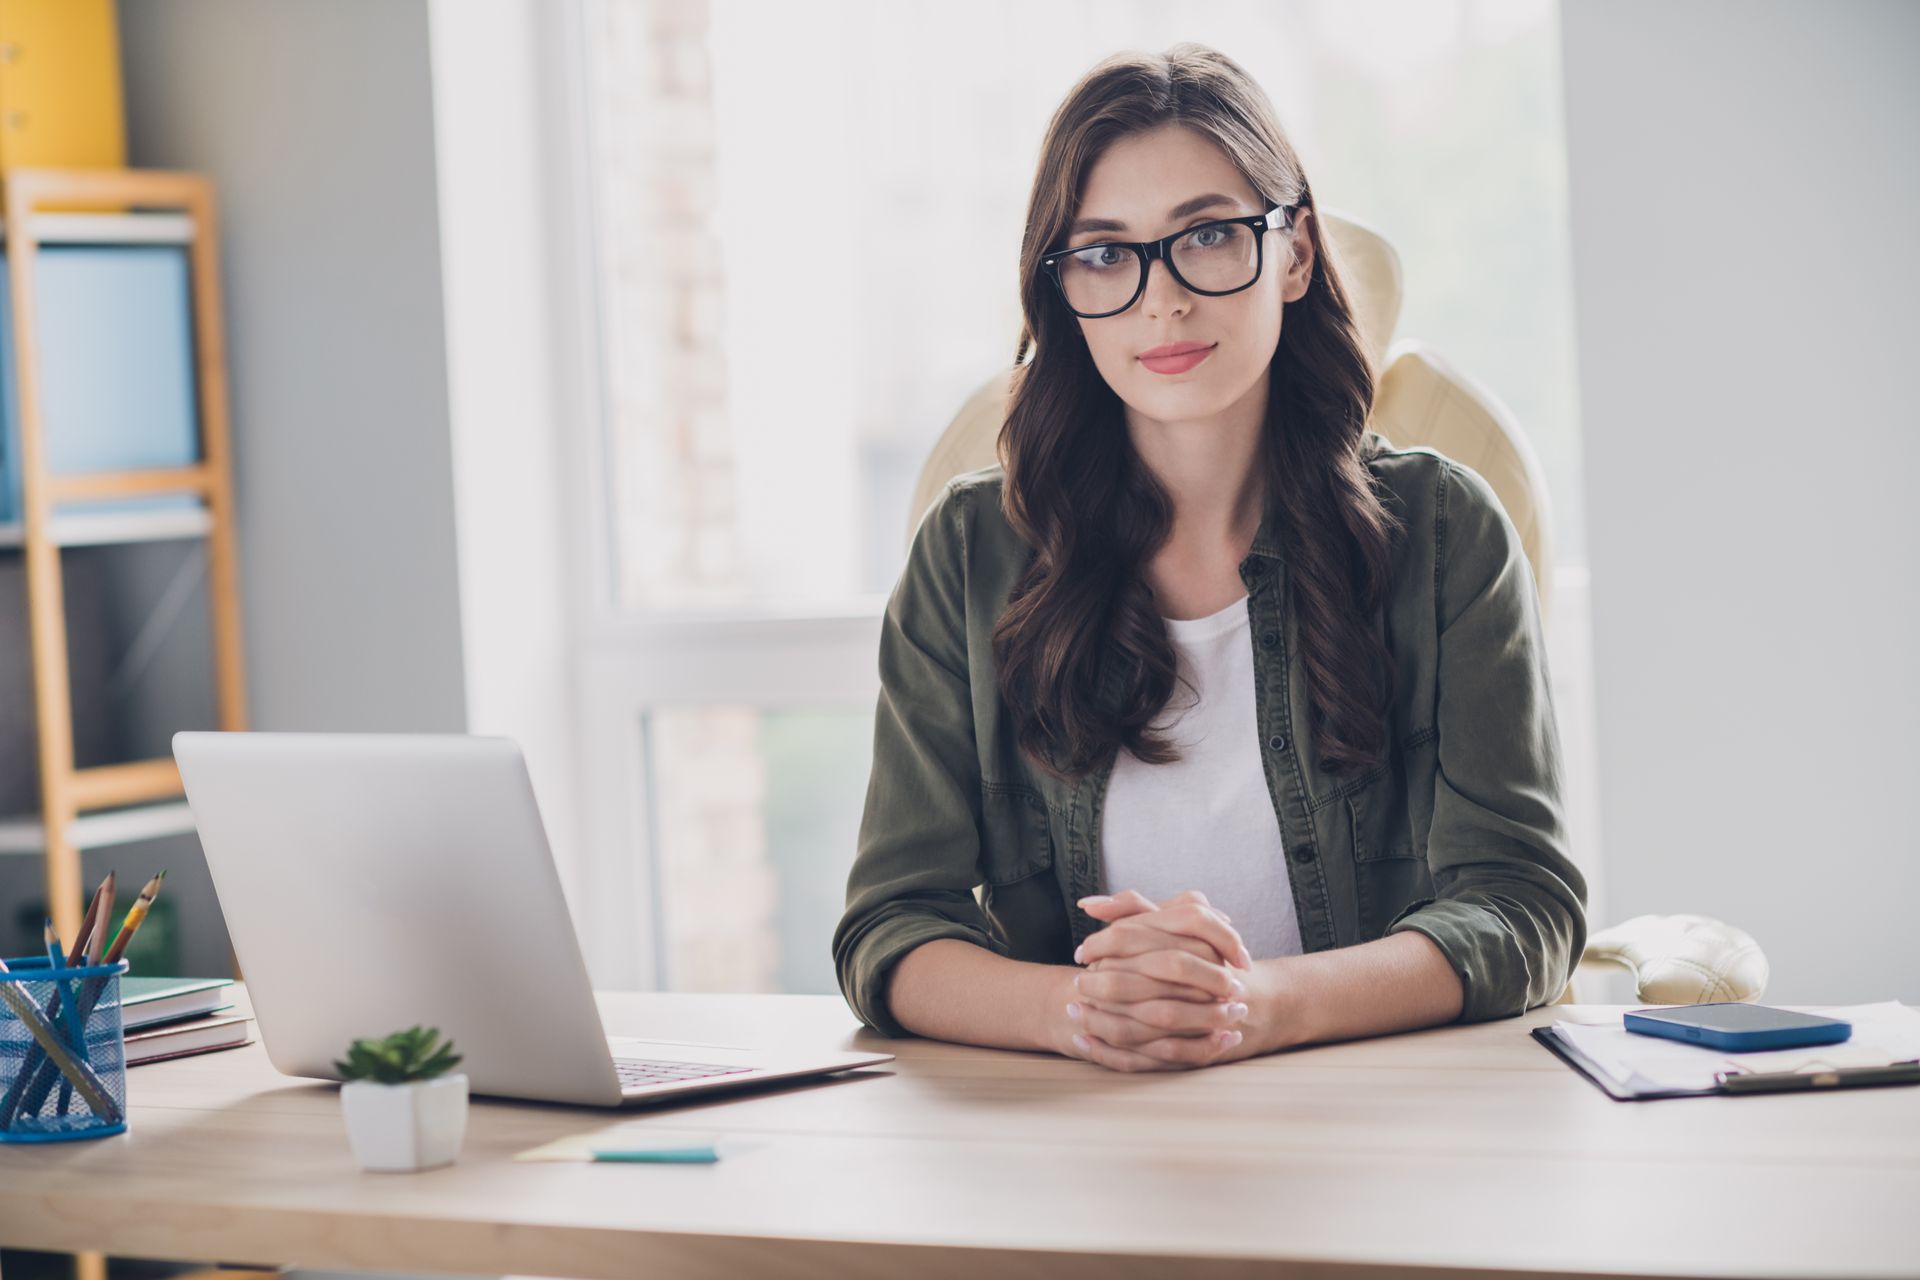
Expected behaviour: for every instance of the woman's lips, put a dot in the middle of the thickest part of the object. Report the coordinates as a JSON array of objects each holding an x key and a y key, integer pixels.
[{"x": 1176, "y": 364}]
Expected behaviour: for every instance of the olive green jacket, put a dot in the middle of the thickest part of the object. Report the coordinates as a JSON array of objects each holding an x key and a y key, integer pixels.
[{"x": 1459, "y": 833}]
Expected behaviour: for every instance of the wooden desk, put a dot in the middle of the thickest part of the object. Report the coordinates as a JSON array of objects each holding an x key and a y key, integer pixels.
[{"x": 1489, "y": 1152}]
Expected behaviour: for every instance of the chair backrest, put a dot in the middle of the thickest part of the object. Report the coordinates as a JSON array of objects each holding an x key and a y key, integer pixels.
[{"x": 1420, "y": 400}]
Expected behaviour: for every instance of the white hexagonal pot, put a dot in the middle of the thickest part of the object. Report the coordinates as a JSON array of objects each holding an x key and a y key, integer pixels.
[{"x": 398, "y": 1128}]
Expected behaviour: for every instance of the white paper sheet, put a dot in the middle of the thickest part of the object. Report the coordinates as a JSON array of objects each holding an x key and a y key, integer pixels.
[{"x": 1882, "y": 1033}]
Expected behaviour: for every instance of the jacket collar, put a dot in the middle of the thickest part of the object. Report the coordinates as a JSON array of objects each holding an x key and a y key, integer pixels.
[
  {"x": 1263, "y": 558},
  {"x": 1267, "y": 541}
]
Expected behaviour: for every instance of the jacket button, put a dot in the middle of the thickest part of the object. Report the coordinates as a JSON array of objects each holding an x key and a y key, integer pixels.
[
  {"x": 1278, "y": 742},
  {"x": 1269, "y": 638},
  {"x": 1303, "y": 854}
]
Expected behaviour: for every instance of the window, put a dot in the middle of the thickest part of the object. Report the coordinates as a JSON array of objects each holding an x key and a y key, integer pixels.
[{"x": 765, "y": 178}]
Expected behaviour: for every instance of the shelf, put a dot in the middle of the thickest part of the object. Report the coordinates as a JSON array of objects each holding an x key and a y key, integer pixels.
[
  {"x": 110, "y": 228},
  {"x": 107, "y": 528},
  {"x": 96, "y": 830}
]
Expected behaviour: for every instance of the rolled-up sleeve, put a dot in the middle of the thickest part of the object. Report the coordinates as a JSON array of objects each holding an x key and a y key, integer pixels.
[
  {"x": 1510, "y": 914},
  {"x": 917, "y": 859}
]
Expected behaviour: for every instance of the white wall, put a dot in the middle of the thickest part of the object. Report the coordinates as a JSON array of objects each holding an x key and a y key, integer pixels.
[
  {"x": 501, "y": 144},
  {"x": 1745, "y": 208}
]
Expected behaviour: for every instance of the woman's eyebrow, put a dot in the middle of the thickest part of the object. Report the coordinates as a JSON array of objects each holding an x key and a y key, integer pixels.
[{"x": 1194, "y": 205}]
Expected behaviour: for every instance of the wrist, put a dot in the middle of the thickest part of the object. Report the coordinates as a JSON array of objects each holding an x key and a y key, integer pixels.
[
  {"x": 1052, "y": 1031},
  {"x": 1279, "y": 1003}
]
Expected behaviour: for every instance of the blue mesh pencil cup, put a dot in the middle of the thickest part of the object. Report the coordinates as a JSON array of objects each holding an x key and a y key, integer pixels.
[{"x": 63, "y": 1051}]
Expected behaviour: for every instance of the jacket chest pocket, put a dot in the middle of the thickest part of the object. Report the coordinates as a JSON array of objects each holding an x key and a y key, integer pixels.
[
  {"x": 1015, "y": 841},
  {"x": 1377, "y": 806},
  {"x": 1389, "y": 868}
]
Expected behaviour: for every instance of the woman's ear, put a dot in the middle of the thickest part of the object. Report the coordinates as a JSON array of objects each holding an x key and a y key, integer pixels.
[{"x": 1300, "y": 268}]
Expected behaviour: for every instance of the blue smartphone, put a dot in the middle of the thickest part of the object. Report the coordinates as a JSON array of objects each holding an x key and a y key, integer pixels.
[{"x": 1738, "y": 1026}]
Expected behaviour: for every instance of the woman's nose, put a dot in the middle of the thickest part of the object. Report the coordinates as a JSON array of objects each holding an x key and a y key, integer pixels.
[{"x": 1163, "y": 292}]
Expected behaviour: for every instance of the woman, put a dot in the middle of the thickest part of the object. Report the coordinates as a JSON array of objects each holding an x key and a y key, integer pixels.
[{"x": 1236, "y": 717}]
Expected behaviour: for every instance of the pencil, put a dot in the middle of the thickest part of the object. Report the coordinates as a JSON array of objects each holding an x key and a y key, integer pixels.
[
  {"x": 80, "y": 956},
  {"x": 102, "y": 922},
  {"x": 64, "y": 998},
  {"x": 135, "y": 914},
  {"x": 93, "y": 936}
]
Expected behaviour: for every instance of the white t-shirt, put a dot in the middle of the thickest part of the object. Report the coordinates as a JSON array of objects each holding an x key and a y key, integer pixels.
[{"x": 1206, "y": 821}]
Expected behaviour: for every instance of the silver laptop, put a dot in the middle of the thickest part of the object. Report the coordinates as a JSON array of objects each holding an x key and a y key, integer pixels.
[{"x": 372, "y": 882}]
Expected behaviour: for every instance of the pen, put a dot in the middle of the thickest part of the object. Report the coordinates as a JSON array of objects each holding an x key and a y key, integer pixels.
[{"x": 1841, "y": 1078}]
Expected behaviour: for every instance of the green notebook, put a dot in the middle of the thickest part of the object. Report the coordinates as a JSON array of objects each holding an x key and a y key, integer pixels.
[{"x": 146, "y": 1002}]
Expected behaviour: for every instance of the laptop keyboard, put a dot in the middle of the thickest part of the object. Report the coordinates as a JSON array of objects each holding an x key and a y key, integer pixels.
[{"x": 640, "y": 1071}]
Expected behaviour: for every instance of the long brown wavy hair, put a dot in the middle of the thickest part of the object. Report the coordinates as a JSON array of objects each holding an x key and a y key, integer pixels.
[{"x": 1079, "y": 494}]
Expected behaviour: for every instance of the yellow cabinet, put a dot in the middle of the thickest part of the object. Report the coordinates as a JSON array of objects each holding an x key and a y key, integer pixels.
[{"x": 60, "y": 98}]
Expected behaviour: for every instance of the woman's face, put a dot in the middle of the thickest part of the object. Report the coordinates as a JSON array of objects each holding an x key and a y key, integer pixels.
[{"x": 1138, "y": 183}]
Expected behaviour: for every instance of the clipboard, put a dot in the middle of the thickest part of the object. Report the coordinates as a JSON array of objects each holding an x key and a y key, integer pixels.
[{"x": 1750, "y": 1082}]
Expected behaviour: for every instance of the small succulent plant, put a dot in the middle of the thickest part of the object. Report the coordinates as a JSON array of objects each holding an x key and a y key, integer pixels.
[{"x": 401, "y": 1058}]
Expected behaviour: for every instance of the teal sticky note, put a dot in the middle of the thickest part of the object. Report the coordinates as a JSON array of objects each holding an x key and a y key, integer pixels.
[{"x": 657, "y": 1155}]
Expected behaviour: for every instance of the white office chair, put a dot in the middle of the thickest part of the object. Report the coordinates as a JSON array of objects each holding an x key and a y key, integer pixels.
[{"x": 1422, "y": 400}]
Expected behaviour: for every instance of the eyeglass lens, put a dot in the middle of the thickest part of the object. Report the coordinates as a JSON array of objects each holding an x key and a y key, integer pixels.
[{"x": 1212, "y": 258}]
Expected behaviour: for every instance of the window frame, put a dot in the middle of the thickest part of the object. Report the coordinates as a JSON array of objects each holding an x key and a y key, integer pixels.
[{"x": 626, "y": 662}]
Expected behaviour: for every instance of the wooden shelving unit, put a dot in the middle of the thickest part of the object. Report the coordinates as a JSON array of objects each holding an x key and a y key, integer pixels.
[
  {"x": 119, "y": 527},
  {"x": 84, "y": 808}
]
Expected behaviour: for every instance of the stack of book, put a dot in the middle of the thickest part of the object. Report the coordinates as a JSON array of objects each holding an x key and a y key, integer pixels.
[{"x": 172, "y": 1017}]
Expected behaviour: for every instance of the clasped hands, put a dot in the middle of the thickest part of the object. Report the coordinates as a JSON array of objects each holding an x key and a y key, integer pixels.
[{"x": 1166, "y": 987}]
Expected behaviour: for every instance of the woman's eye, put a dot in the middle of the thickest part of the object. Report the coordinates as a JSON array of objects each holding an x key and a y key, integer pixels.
[
  {"x": 1100, "y": 257},
  {"x": 1217, "y": 237}
]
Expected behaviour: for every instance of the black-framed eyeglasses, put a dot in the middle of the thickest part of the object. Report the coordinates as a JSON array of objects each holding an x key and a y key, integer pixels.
[{"x": 1215, "y": 258}]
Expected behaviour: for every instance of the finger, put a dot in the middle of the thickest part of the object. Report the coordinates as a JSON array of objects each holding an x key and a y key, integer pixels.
[
  {"x": 1097, "y": 1051},
  {"x": 1209, "y": 925},
  {"x": 1133, "y": 937},
  {"x": 1191, "y": 895},
  {"x": 1188, "y": 920},
  {"x": 1116, "y": 1029},
  {"x": 1177, "y": 1017},
  {"x": 1184, "y": 968},
  {"x": 1128, "y": 1037},
  {"x": 1191, "y": 1051},
  {"x": 1117, "y": 986},
  {"x": 1130, "y": 902}
]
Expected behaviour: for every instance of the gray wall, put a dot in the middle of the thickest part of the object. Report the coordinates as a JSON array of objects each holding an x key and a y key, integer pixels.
[
  {"x": 1744, "y": 204},
  {"x": 315, "y": 120}
]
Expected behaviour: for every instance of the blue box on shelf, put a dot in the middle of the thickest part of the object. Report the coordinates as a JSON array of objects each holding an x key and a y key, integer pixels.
[
  {"x": 116, "y": 359},
  {"x": 77, "y": 1010}
]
